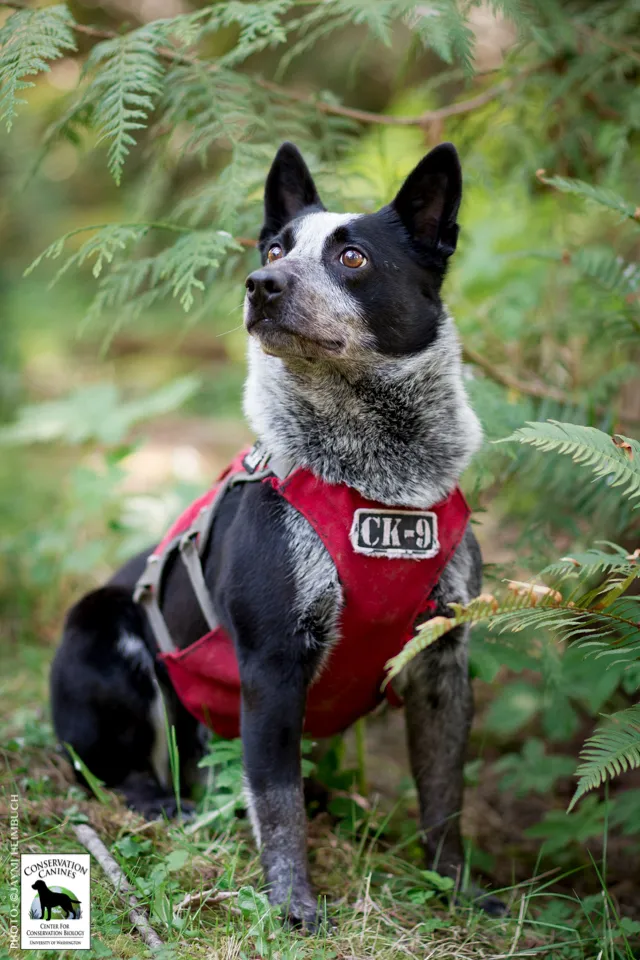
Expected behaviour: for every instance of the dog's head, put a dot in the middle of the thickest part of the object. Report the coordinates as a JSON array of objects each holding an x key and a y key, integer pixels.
[
  {"x": 350, "y": 285},
  {"x": 39, "y": 885}
]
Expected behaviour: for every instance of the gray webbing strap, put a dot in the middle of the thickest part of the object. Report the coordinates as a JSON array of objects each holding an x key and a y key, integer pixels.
[
  {"x": 191, "y": 561},
  {"x": 146, "y": 593},
  {"x": 158, "y": 624},
  {"x": 191, "y": 544}
]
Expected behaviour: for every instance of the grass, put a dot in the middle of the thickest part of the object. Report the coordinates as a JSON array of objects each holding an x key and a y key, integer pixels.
[{"x": 365, "y": 863}]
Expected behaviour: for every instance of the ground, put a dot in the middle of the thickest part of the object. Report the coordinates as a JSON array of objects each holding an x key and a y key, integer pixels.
[{"x": 365, "y": 858}]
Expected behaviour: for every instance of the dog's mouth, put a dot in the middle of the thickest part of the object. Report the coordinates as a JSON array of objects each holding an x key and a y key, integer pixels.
[{"x": 278, "y": 339}]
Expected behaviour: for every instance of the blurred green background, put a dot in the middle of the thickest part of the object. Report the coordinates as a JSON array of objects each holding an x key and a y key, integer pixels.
[{"x": 118, "y": 405}]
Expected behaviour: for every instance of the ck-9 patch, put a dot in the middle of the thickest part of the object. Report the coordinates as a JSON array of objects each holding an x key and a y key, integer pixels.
[{"x": 395, "y": 533}]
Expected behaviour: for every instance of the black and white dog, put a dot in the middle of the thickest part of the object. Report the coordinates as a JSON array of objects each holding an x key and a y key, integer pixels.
[{"x": 355, "y": 374}]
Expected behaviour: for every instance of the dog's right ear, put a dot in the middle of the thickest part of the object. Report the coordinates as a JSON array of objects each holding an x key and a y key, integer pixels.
[{"x": 288, "y": 190}]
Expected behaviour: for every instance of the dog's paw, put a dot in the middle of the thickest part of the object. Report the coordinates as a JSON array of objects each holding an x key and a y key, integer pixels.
[
  {"x": 302, "y": 912},
  {"x": 491, "y": 905},
  {"x": 475, "y": 896},
  {"x": 166, "y": 808},
  {"x": 144, "y": 795}
]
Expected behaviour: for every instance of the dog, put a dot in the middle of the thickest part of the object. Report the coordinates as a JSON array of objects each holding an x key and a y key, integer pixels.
[
  {"x": 49, "y": 900},
  {"x": 355, "y": 383}
]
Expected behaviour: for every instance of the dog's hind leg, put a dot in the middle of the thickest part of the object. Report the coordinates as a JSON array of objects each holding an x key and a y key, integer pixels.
[
  {"x": 107, "y": 702},
  {"x": 439, "y": 707},
  {"x": 438, "y": 704}
]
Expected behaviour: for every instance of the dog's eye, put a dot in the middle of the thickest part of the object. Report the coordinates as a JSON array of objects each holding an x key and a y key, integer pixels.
[
  {"x": 275, "y": 253},
  {"x": 352, "y": 258}
]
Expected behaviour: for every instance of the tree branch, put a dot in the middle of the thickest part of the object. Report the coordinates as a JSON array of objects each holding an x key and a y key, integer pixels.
[
  {"x": 541, "y": 391},
  {"x": 366, "y": 116},
  {"x": 607, "y": 42},
  {"x": 321, "y": 106}
]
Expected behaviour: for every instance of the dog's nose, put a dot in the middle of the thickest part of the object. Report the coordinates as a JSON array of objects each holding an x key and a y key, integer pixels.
[{"x": 264, "y": 287}]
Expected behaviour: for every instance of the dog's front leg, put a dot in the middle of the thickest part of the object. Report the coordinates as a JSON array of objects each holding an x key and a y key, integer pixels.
[
  {"x": 439, "y": 707},
  {"x": 273, "y": 704}
]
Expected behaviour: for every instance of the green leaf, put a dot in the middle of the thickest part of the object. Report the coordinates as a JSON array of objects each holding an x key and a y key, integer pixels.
[
  {"x": 613, "y": 749},
  {"x": 617, "y": 458},
  {"x": 251, "y": 902},
  {"x": 94, "y": 413},
  {"x": 438, "y": 882},
  {"x": 177, "y": 859},
  {"x": 29, "y": 40},
  {"x": 515, "y": 705},
  {"x": 131, "y": 849},
  {"x": 559, "y": 829},
  {"x": 532, "y": 770},
  {"x": 95, "y": 785}
]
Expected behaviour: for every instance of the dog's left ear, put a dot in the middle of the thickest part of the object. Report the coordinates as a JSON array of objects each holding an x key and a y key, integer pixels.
[
  {"x": 288, "y": 190},
  {"x": 428, "y": 201}
]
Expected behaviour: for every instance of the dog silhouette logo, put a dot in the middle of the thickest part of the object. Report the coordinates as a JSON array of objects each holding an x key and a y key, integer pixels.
[{"x": 54, "y": 903}]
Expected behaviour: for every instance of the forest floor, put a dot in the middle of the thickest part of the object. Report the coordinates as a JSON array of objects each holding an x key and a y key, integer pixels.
[{"x": 364, "y": 851}]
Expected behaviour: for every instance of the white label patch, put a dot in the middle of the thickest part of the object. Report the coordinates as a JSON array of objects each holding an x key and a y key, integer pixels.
[
  {"x": 395, "y": 533},
  {"x": 55, "y": 908}
]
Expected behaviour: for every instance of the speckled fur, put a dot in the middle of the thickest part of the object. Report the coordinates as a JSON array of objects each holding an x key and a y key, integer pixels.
[{"x": 358, "y": 377}]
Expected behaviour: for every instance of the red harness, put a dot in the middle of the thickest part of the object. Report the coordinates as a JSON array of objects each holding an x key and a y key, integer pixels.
[{"x": 388, "y": 563}]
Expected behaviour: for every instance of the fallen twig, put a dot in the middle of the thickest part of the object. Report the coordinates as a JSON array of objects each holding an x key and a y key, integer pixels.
[
  {"x": 206, "y": 896},
  {"x": 137, "y": 914}
]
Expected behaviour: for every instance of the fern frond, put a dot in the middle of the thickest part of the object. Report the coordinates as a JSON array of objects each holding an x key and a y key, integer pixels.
[
  {"x": 102, "y": 247},
  {"x": 609, "y": 271},
  {"x": 452, "y": 35},
  {"x": 591, "y": 563},
  {"x": 128, "y": 76},
  {"x": 261, "y": 25},
  {"x": 599, "y": 195},
  {"x": 181, "y": 269},
  {"x": 615, "y": 458},
  {"x": 482, "y": 608},
  {"x": 602, "y": 621},
  {"x": 613, "y": 749},
  {"x": 190, "y": 264},
  {"x": 29, "y": 40}
]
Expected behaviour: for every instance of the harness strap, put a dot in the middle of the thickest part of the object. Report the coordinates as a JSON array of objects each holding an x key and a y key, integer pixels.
[
  {"x": 146, "y": 594},
  {"x": 191, "y": 545},
  {"x": 191, "y": 560}
]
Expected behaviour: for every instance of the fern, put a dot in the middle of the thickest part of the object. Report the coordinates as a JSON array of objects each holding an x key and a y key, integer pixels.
[
  {"x": 603, "y": 621},
  {"x": 609, "y": 270},
  {"x": 599, "y": 195},
  {"x": 180, "y": 270},
  {"x": 615, "y": 458},
  {"x": 128, "y": 75},
  {"x": 102, "y": 247},
  {"x": 588, "y": 564},
  {"x": 613, "y": 749},
  {"x": 482, "y": 608},
  {"x": 190, "y": 264},
  {"x": 29, "y": 40}
]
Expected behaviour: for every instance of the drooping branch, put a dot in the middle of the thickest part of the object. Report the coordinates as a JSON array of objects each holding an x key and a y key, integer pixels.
[
  {"x": 540, "y": 391},
  {"x": 321, "y": 106},
  {"x": 385, "y": 119}
]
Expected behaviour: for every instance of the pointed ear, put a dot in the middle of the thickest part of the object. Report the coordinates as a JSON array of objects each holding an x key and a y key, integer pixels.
[
  {"x": 429, "y": 199},
  {"x": 288, "y": 190}
]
